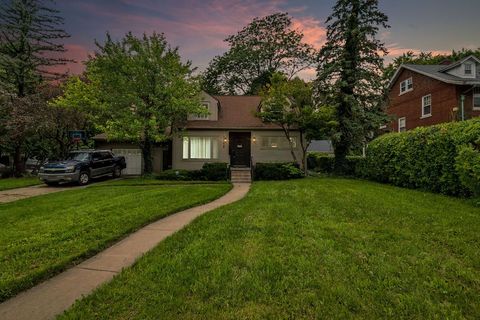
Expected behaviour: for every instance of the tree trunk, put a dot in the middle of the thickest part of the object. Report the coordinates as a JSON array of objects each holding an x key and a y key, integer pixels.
[
  {"x": 147, "y": 156},
  {"x": 304, "y": 147},
  {"x": 292, "y": 150},
  {"x": 18, "y": 164}
]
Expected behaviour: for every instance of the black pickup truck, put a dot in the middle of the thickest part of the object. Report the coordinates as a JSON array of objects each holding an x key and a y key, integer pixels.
[{"x": 81, "y": 166}]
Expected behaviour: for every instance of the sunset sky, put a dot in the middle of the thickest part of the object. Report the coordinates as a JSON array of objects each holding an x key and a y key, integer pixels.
[{"x": 199, "y": 27}]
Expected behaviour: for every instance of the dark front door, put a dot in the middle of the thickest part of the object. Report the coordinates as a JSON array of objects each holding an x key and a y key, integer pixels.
[{"x": 239, "y": 149}]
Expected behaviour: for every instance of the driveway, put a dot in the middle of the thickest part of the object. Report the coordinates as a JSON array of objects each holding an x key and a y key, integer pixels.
[{"x": 27, "y": 192}]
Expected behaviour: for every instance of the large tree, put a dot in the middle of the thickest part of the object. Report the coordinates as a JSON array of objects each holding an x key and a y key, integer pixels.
[
  {"x": 290, "y": 105},
  {"x": 349, "y": 74},
  {"x": 136, "y": 89},
  {"x": 265, "y": 46},
  {"x": 30, "y": 36}
]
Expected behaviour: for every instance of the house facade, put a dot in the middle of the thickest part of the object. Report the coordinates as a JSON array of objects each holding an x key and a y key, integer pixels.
[
  {"x": 424, "y": 95},
  {"x": 229, "y": 133}
]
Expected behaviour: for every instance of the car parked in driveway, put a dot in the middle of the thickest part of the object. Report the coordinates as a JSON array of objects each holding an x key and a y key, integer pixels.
[{"x": 81, "y": 166}]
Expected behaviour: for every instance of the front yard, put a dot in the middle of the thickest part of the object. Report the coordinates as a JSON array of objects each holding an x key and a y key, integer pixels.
[
  {"x": 43, "y": 235},
  {"x": 313, "y": 248},
  {"x": 12, "y": 183}
]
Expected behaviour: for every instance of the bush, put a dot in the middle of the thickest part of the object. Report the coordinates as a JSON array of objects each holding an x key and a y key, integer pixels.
[
  {"x": 425, "y": 158},
  {"x": 277, "y": 171},
  {"x": 467, "y": 164},
  {"x": 325, "y": 163},
  {"x": 216, "y": 171}
]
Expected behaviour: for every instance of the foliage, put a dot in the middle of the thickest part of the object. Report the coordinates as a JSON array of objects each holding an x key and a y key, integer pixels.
[
  {"x": 215, "y": 171},
  {"x": 425, "y": 157},
  {"x": 289, "y": 104},
  {"x": 325, "y": 163},
  {"x": 13, "y": 183},
  {"x": 277, "y": 171},
  {"x": 30, "y": 40},
  {"x": 467, "y": 164},
  {"x": 137, "y": 89},
  {"x": 41, "y": 236},
  {"x": 349, "y": 74},
  {"x": 324, "y": 248},
  {"x": 265, "y": 46},
  {"x": 427, "y": 58}
]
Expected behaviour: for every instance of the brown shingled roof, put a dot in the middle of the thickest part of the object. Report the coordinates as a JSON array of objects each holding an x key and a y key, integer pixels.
[{"x": 235, "y": 112}]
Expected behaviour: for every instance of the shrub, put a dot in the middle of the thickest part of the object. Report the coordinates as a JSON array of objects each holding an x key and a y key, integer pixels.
[
  {"x": 325, "y": 163},
  {"x": 179, "y": 175},
  {"x": 216, "y": 171},
  {"x": 423, "y": 158},
  {"x": 277, "y": 171},
  {"x": 467, "y": 164}
]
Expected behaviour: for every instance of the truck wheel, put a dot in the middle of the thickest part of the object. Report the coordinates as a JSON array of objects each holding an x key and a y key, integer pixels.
[
  {"x": 84, "y": 178},
  {"x": 117, "y": 172}
]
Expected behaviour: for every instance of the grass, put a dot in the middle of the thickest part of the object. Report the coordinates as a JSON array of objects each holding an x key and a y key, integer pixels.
[
  {"x": 42, "y": 236},
  {"x": 322, "y": 248},
  {"x": 12, "y": 183}
]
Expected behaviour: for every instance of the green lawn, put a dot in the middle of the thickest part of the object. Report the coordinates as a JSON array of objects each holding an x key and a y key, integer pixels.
[
  {"x": 43, "y": 235},
  {"x": 12, "y": 183},
  {"x": 313, "y": 249}
]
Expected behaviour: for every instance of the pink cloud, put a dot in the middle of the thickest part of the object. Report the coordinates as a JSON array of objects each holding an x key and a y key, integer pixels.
[
  {"x": 313, "y": 31},
  {"x": 76, "y": 52}
]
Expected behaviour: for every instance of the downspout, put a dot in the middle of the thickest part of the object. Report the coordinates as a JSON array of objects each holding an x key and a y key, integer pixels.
[{"x": 462, "y": 106}]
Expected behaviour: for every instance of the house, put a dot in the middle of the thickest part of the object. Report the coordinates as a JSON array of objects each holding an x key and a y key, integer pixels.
[
  {"x": 230, "y": 133},
  {"x": 424, "y": 95}
]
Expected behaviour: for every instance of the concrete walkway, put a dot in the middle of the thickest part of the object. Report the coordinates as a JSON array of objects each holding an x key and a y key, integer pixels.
[
  {"x": 27, "y": 192},
  {"x": 57, "y": 294}
]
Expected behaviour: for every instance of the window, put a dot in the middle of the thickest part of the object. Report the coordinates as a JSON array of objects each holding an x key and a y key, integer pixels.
[
  {"x": 427, "y": 106},
  {"x": 277, "y": 143},
  {"x": 406, "y": 85},
  {"x": 200, "y": 148},
  {"x": 204, "y": 116},
  {"x": 402, "y": 124},
  {"x": 476, "y": 99},
  {"x": 468, "y": 69}
]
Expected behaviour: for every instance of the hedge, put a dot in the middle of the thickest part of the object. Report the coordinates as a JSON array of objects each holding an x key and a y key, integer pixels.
[
  {"x": 277, "y": 171},
  {"x": 324, "y": 163},
  {"x": 217, "y": 171},
  {"x": 442, "y": 158}
]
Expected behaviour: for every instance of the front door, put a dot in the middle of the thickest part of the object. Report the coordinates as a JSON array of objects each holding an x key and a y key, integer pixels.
[{"x": 239, "y": 149}]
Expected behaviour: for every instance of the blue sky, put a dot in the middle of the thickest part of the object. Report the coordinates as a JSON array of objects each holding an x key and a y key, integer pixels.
[{"x": 199, "y": 27}]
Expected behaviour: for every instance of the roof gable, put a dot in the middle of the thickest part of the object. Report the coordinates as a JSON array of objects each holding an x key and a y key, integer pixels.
[{"x": 456, "y": 64}]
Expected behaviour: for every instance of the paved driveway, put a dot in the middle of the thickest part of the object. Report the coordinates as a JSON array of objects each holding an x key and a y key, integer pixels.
[{"x": 27, "y": 192}]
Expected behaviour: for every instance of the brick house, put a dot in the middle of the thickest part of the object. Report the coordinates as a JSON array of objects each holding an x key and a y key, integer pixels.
[{"x": 424, "y": 95}]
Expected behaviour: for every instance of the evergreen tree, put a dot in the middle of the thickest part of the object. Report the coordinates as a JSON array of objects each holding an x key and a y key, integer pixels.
[
  {"x": 29, "y": 38},
  {"x": 349, "y": 74}
]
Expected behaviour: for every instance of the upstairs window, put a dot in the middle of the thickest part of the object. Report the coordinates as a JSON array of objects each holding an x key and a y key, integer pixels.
[
  {"x": 406, "y": 85},
  {"x": 204, "y": 116},
  {"x": 427, "y": 106},
  {"x": 468, "y": 69},
  {"x": 402, "y": 124}
]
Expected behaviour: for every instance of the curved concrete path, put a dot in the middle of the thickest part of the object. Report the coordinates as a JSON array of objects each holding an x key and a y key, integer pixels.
[{"x": 52, "y": 297}]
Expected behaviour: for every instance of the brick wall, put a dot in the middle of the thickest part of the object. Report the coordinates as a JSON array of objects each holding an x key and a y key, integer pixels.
[{"x": 409, "y": 104}]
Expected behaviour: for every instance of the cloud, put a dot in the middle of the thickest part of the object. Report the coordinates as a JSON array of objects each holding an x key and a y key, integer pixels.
[
  {"x": 313, "y": 31},
  {"x": 76, "y": 52}
]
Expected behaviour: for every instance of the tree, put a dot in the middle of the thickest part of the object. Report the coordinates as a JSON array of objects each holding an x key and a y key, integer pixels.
[
  {"x": 428, "y": 58},
  {"x": 289, "y": 104},
  {"x": 265, "y": 46},
  {"x": 136, "y": 89},
  {"x": 349, "y": 74},
  {"x": 29, "y": 35}
]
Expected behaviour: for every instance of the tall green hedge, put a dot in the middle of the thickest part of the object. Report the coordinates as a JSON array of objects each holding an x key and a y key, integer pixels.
[{"x": 431, "y": 158}]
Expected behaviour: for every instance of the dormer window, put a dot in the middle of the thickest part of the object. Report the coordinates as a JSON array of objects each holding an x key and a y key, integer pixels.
[
  {"x": 204, "y": 116},
  {"x": 468, "y": 69},
  {"x": 406, "y": 85}
]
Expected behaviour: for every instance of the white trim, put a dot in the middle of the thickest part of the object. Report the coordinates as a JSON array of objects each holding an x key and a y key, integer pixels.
[
  {"x": 426, "y": 115},
  {"x": 407, "y": 89},
  {"x": 404, "y": 123}
]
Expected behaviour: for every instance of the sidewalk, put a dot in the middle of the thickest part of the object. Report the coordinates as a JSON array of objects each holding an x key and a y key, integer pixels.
[{"x": 57, "y": 294}]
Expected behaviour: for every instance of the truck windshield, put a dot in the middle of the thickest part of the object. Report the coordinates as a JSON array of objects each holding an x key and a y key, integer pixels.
[{"x": 78, "y": 156}]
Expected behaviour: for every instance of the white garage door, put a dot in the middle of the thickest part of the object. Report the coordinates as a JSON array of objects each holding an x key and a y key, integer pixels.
[{"x": 133, "y": 158}]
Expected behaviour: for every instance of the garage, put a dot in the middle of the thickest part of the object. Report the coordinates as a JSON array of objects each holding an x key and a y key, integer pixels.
[{"x": 133, "y": 158}]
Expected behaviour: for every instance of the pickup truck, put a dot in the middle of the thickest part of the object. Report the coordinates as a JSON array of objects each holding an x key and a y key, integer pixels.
[{"x": 81, "y": 166}]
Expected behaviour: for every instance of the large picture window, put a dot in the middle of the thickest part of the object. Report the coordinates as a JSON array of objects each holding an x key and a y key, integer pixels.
[
  {"x": 277, "y": 143},
  {"x": 200, "y": 148}
]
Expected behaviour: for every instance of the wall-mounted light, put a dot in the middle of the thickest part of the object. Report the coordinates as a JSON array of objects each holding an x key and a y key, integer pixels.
[
  {"x": 225, "y": 141},
  {"x": 254, "y": 139}
]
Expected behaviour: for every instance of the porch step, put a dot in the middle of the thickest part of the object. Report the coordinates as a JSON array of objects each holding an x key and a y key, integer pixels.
[{"x": 240, "y": 175}]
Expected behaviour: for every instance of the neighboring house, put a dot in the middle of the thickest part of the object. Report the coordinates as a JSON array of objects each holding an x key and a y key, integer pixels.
[
  {"x": 323, "y": 146},
  {"x": 424, "y": 95},
  {"x": 230, "y": 133}
]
